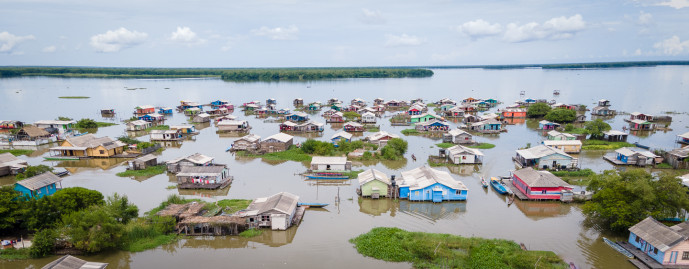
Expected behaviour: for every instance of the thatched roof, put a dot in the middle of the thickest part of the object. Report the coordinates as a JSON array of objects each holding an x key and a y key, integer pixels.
[
  {"x": 33, "y": 131},
  {"x": 181, "y": 211}
]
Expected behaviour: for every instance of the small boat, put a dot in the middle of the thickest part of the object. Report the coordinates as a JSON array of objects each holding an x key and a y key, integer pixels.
[
  {"x": 313, "y": 205},
  {"x": 484, "y": 182},
  {"x": 572, "y": 266},
  {"x": 331, "y": 176},
  {"x": 497, "y": 186},
  {"x": 61, "y": 158},
  {"x": 618, "y": 248},
  {"x": 641, "y": 146}
]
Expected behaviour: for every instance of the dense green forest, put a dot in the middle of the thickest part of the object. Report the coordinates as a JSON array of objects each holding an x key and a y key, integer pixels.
[{"x": 566, "y": 65}]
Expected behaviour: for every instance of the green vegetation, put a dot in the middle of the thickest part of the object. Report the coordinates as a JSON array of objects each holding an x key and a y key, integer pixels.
[
  {"x": 591, "y": 144},
  {"x": 17, "y": 152},
  {"x": 316, "y": 147},
  {"x": 292, "y": 154},
  {"x": 394, "y": 149},
  {"x": 622, "y": 199},
  {"x": 74, "y": 97},
  {"x": 64, "y": 118},
  {"x": 581, "y": 177},
  {"x": 537, "y": 110},
  {"x": 105, "y": 124},
  {"x": 596, "y": 128},
  {"x": 158, "y": 127},
  {"x": 32, "y": 171},
  {"x": 171, "y": 187},
  {"x": 371, "y": 128},
  {"x": 92, "y": 124},
  {"x": 663, "y": 166},
  {"x": 321, "y": 73},
  {"x": 410, "y": 132},
  {"x": 139, "y": 144},
  {"x": 482, "y": 146},
  {"x": 15, "y": 254},
  {"x": 147, "y": 233},
  {"x": 561, "y": 115},
  {"x": 351, "y": 115},
  {"x": 230, "y": 206},
  {"x": 148, "y": 172},
  {"x": 428, "y": 250},
  {"x": 250, "y": 233},
  {"x": 444, "y": 145}
]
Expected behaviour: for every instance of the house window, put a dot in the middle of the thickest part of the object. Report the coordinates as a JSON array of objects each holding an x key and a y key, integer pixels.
[
  {"x": 636, "y": 239},
  {"x": 265, "y": 218},
  {"x": 655, "y": 251},
  {"x": 458, "y": 192},
  {"x": 685, "y": 255},
  {"x": 102, "y": 151},
  {"x": 544, "y": 192}
]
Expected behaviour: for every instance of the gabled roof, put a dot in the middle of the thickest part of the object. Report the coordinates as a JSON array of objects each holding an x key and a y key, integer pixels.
[
  {"x": 232, "y": 122},
  {"x": 545, "y": 122},
  {"x": 684, "y": 135},
  {"x": 138, "y": 122},
  {"x": 459, "y": 149},
  {"x": 657, "y": 234},
  {"x": 373, "y": 174},
  {"x": 144, "y": 158},
  {"x": 251, "y": 138},
  {"x": 7, "y": 157},
  {"x": 543, "y": 179},
  {"x": 456, "y": 132},
  {"x": 379, "y": 135},
  {"x": 425, "y": 176},
  {"x": 328, "y": 160},
  {"x": 370, "y": 114},
  {"x": 282, "y": 137},
  {"x": 284, "y": 202},
  {"x": 55, "y": 122},
  {"x": 540, "y": 151},
  {"x": 33, "y": 131},
  {"x": 615, "y": 132},
  {"x": 353, "y": 124},
  {"x": 39, "y": 181},
  {"x": 556, "y": 133},
  {"x": 71, "y": 262},
  {"x": 629, "y": 151},
  {"x": 562, "y": 143},
  {"x": 197, "y": 158},
  {"x": 680, "y": 152},
  {"x": 201, "y": 171},
  {"x": 344, "y": 135},
  {"x": 91, "y": 141}
]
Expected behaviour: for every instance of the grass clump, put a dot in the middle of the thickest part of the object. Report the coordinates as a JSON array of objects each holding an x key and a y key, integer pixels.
[
  {"x": 250, "y": 233},
  {"x": 158, "y": 127},
  {"x": 292, "y": 154},
  {"x": 15, "y": 254},
  {"x": 581, "y": 177},
  {"x": 482, "y": 146},
  {"x": 409, "y": 132},
  {"x": 144, "y": 233},
  {"x": 74, "y": 97},
  {"x": 231, "y": 206},
  {"x": 603, "y": 145},
  {"x": 17, "y": 152},
  {"x": 171, "y": 199},
  {"x": 148, "y": 172},
  {"x": 444, "y": 145},
  {"x": 577, "y": 131},
  {"x": 428, "y": 250},
  {"x": 663, "y": 166}
]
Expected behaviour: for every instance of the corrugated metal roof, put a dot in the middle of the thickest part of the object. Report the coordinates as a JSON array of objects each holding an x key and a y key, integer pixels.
[
  {"x": 456, "y": 132},
  {"x": 282, "y": 137},
  {"x": 373, "y": 174},
  {"x": 657, "y": 234},
  {"x": 328, "y": 160},
  {"x": 354, "y": 124},
  {"x": 284, "y": 202},
  {"x": 196, "y": 158},
  {"x": 7, "y": 157},
  {"x": 425, "y": 176},
  {"x": 251, "y": 138},
  {"x": 39, "y": 181},
  {"x": 379, "y": 135},
  {"x": 614, "y": 132},
  {"x": 345, "y": 135},
  {"x": 540, "y": 151},
  {"x": 145, "y": 158},
  {"x": 543, "y": 179},
  {"x": 55, "y": 122},
  {"x": 71, "y": 262},
  {"x": 190, "y": 171},
  {"x": 459, "y": 149},
  {"x": 562, "y": 143}
]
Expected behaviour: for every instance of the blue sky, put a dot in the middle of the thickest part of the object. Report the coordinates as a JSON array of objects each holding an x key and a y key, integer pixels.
[{"x": 290, "y": 33}]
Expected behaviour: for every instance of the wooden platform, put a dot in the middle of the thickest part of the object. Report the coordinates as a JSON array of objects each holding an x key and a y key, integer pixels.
[
  {"x": 517, "y": 192},
  {"x": 612, "y": 158},
  {"x": 645, "y": 260},
  {"x": 298, "y": 215},
  {"x": 195, "y": 186}
]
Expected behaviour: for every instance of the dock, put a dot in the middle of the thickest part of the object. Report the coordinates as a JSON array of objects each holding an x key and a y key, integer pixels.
[
  {"x": 298, "y": 215},
  {"x": 644, "y": 261},
  {"x": 611, "y": 157},
  {"x": 517, "y": 192}
]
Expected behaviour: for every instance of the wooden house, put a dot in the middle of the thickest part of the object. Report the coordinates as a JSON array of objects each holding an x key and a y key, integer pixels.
[
  {"x": 277, "y": 212},
  {"x": 271, "y": 101},
  {"x": 60, "y": 127},
  {"x": 379, "y": 108},
  {"x": 201, "y": 118},
  {"x": 492, "y": 102},
  {"x": 174, "y": 166},
  {"x": 568, "y": 146},
  {"x": 378, "y": 101},
  {"x": 545, "y": 157},
  {"x": 298, "y": 102},
  {"x": 467, "y": 107},
  {"x": 374, "y": 184},
  {"x": 603, "y": 102},
  {"x": 546, "y": 125},
  {"x": 297, "y": 117},
  {"x": 225, "y": 118},
  {"x": 661, "y": 243},
  {"x": 188, "y": 104},
  {"x": 678, "y": 158},
  {"x": 192, "y": 111},
  {"x": 71, "y": 262},
  {"x": 329, "y": 113},
  {"x": 218, "y": 112},
  {"x": 424, "y": 117},
  {"x": 446, "y": 107},
  {"x": 393, "y": 104},
  {"x": 341, "y": 136},
  {"x": 469, "y": 100},
  {"x": 32, "y": 133},
  {"x": 138, "y": 125},
  {"x": 185, "y": 129},
  {"x": 555, "y": 135},
  {"x": 368, "y": 117},
  {"x": 541, "y": 185},
  {"x": 380, "y": 138},
  {"x": 333, "y": 101},
  {"x": 602, "y": 111},
  {"x": 145, "y": 109},
  {"x": 203, "y": 177},
  {"x": 415, "y": 110},
  {"x": 250, "y": 142},
  {"x": 683, "y": 138},
  {"x": 615, "y": 136},
  {"x": 640, "y": 116},
  {"x": 11, "y": 165},
  {"x": 514, "y": 113},
  {"x": 641, "y": 125},
  {"x": 165, "y": 110},
  {"x": 314, "y": 107},
  {"x": 454, "y": 112},
  {"x": 310, "y": 126},
  {"x": 634, "y": 156},
  {"x": 457, "y": 136},
  {"x": 288, "y": 126},
  {"x": 277, "y": 142},
  {"x": 563, "y": 106},
  {"x": 320, "y": 163},
  {"x": 358, "y": 102},
  {"x": 352, "y": 108},
  {"x": 11, "y": 124},
  {"x": 428, "y": 184},
  {"x": 446, "y": 101},
  {"x": 251, "y": 106},
  {"x": 432, "y": 126},
  {"x": 142, "y": 162},
  {"x": 491, "y": 126},
  {"x": 233, "y": 126},
  {"x": 89, "y": 145},
  {"x": 336, "y": 117},
  {"x": 353, "y": 127},
  {"x": 38, "y": 186},
  {"x": 154, "y": 117},
  {"x": 219, "y": 103},
  {"x": 336, "y": 106},
  {"x": 166, "y": 135},
  {"x": 459, "y": 154}
]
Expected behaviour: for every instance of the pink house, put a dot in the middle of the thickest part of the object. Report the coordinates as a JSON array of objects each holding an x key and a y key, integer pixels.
[{"x": 541, "y": 185}]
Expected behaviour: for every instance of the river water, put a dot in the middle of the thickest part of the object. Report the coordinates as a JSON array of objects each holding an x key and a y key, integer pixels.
[{"x": 321, "y": 240}]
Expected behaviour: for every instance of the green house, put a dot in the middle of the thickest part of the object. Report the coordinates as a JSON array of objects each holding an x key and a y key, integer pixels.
[
  {"x": 423, "y": 118},
  {"x": 374, "y": 184}
]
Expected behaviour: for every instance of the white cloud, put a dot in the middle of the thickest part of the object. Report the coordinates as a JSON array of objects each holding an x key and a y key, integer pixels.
[
  {"x": 637, "y": 52},
  {"x": 555, "y": 28},
  {"x": 403, "y": 40},
  {"x": 645, "y": 19},
  {"x": 371, "y": 16},
  {"x": 49, "y": 49},
  {"x": 479, "y": 28},
  {"x": 672, "y": 46},
  {"x": 184, "y": 35},
  {"x": 8, "y": 41},
  {"x": 677, "y": 4},
  {"x": 278, "y": 33},
  {"x": 115, "y": 40}
]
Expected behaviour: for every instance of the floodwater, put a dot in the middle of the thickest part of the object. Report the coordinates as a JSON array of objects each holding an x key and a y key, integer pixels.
[{"x": 321, "y": 240}]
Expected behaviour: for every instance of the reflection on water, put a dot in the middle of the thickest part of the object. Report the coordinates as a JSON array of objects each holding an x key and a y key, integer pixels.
[
  {"x": 136, "y": 134},
  {"x": 74, "y": 166},
  {"x": 464, "y": 169},
  {"x": 377, "y": 207},
  {"x": 170, "y": 144},
  {"x": 433, "y": 211},
  {"x": 205, "y": 193},
  {"x": 540, "y": 209}
]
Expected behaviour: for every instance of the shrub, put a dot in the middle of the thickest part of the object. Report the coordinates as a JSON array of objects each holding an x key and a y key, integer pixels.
[
  {"x": 43, "y": 243},
  {"x": 538, "y": 110},
  {"x": 561, "y": 115}
]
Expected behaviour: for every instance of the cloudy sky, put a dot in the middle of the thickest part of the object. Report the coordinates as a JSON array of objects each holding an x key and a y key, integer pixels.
[{"x": 292, "y": 33}]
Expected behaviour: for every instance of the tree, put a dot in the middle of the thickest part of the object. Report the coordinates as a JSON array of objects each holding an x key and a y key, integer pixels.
[
  {"x": 322, "y": 148},
  {"x": 596, "y": 128},
  {"x": 32, "y": 171},
  {"x": 399, "y": 145},
  {"x": 351, "y": 115},
  {"x": 120, "y": 208},
  {"x": 561, "y": 115},
  {"x": 87, "y": 124},
  {"x": 538, "y": 110},
  {"x": 10, "y": 208},
  {"x": 43, "y": 243},
  {"x": 46, "y": 212},
  {"x": 622, "y": 199},
  {"x": 92, "y": 230},
  {"x": 76, "y": 198}
]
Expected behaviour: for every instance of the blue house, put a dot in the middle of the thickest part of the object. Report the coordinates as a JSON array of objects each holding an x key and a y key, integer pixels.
[
  {"x": 341, "y": 136},
  {"x": 428, "y": 184},
  {"x": 152, "y": 117},
  {"x": 218, "y": 103},
  {"x": 165, "y": 110},
  {"x": 661, "y": 243},
  {"x": 187, "y": 105},
  {"x": 38, "y": 186},
  {"x": 297, "y": 117},
  {"x": 546, "y": 125}
]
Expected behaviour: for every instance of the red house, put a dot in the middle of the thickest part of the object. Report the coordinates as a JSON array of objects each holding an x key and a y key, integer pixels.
[
  {"x": 541, "y": 185},
  {"x": 514, "y": 113},
  {"x": 147, "y": 109},
  {"x": 336, "y": 117},
  {"x": 353, "y": 127}
]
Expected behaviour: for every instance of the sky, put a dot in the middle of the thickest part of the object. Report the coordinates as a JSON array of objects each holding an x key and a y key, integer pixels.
[{"x": 304, "y": 33}]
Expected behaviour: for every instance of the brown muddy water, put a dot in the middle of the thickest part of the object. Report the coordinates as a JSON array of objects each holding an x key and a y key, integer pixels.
[{"x": 321, "y": 240}]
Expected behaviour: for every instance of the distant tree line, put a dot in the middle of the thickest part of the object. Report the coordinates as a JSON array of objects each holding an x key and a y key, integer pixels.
[{"x": 325, "y": 73}]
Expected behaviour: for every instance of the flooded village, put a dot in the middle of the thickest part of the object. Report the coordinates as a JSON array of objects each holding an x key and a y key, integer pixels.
[{"x": 321, "y": 162}]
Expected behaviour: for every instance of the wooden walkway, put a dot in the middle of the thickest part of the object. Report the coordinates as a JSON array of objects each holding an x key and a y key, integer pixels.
[
  {"x": 644, "y": 261},
  {"x": 612, "y": 158},
  {"x": 517, "y": 192},
  {"x": 298, "y": 215}
]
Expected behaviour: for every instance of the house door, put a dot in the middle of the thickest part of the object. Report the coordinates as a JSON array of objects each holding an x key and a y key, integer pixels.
[
  {"x": 673, "y": 257},
  {"x": 554, "y": 164},
  {"x": 437, "y": 196}
]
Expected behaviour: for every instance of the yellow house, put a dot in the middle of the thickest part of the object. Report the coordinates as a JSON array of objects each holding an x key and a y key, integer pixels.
[
  {"x": 568, "y": 146},
  {"x": 89, "y": 146}
]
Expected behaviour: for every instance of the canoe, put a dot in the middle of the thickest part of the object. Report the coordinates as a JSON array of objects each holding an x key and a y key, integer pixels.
[
  {"x": 641, "y": 146},
  {"x": 619, "y": 248},
  {"x": 314, "y": 205},
  {"x": 501, "y": 189},
  {"x": 484, "y": 182},
  {"x": 57, "y": 158},
  {"x": 331, "y": 177}
]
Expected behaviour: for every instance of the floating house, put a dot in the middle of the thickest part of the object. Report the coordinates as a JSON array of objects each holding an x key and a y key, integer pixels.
[
  {"x": 203, "y": 177},
  {"x": 174, "y": 166},
  {"x": 446, "y": 107},
  {"x": 633, "y": 156},
  {"x": 11, "y": 165},
  {"x": 432, "y": 126},
  {"x": 358, "y": 102},
  {"x": 143, "y": 162},
  {"x": 298, "y": 102},
  {"x": 678, "y": 158},
  {"x": 233, "y": 126},
  {"x": 188, "y": 105},
  {"x": 89, "y": 145},
  {"x": 661, "y": 243},
  {"x": 491, "y": 126},
  {"x": 336, "y": 117},
  {"x": 424, "y": 117},
  {"x": 166, "y": 135},
  {"x": 545, "y": 157},
  {"x": 514, "y": 113},
  {"x": 138, "y": 125},
  {"x": 219, "y": 112},
  {"x": 154, "y": 117},
  {"x": 379, "y": 108},
  {"x": 541, "y": 185},
  {"x": 374, "y": 184},
  {"x": 380, "y": 138},
  {"x": 469, "y": 100},
  {"x": 336, "y": 106},
  {"x": 271, "y": 101},
  {"x": 225, "y": 118},
  {"x": 602, "y": 111},
  {"x": 71, "y": 262},
  {"x": 415, "y": 110},
  {"x": 454, "y": 112},
  {"x": 33, "y": 133},
  {"x": 555, "y": 135},
  {"x": 341, "y": 136},
  {"x": 640, "y": 116},
  {"x": 459, "y": 154},
  {"x": 277, "y": 142},
  {"x": 368, "y": 117},
  {"x": 615, "y": 136},
  {"x": 641, "y": 125},
  {"x": 219, "y": 103},
  {"x": 428, "y": 184},
  {"x": 288, "y": 126},
  {"x": 38, "y": 186},
  {"x": 10, "y": 124},
  {"x": 249, "y": 142},
  {"x": 546, "y": 125},
  {"x": 568, "y": 146},
  {"x": 683, "y": 138},
  {"x": 186, "y": 129},
  {"x": 458, "y": 136},
  {"x": 314, "y": 106},
  {"x": 378, "y": 101},
  {"x": 320, "y": 163},
  {"x": 59, "y": 126},
  {"x": 310, "y": 127},
  {"x": 297, "y": 117},
  {"x": 446, "y": 101},
  {"x": 201, "y": 118},
  {"x": 353, "y": 127},
  {"x": 192, "y": 111},
  {"x": 352, "y": 108},
  {"x": 145, "y": 109},
  {"x": 165, "y": 110},
  {"x": 277, "y": 212}
]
